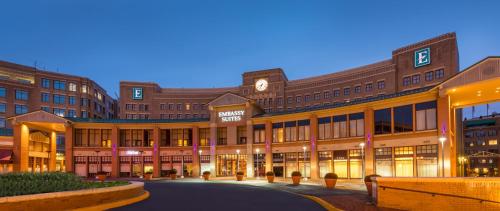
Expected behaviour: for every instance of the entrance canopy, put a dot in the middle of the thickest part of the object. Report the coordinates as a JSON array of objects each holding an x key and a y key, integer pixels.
[
  {"x": 41, "y": 120},
  {"x": 478, "y": 84}
]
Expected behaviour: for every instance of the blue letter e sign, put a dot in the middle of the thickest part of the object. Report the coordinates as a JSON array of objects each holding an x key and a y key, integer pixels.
[
  {"x": 137, "y": 93},
  {"x": 422, "y": 57}
]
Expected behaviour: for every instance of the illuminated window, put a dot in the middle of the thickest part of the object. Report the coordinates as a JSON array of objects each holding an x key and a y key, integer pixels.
[
  {"x": 340, "y": 126},
  {"x": 304, "y": 130},
  {"x": 324, "y": 128},
  {"x": 188, "y": 107},
  {"x": 426, "y": 115},
  {"x": 72, "y": 87},
  {"x": 356, "y": 124},
  {"x": 85, "y": 89},
  {"x": 278, "y": 132},
  {"x": 492, "y": 142}
]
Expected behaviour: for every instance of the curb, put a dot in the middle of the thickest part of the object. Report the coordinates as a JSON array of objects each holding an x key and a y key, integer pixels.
[
  {"x": 321, "y": 202},
  {"x": 116, "y": 204}
]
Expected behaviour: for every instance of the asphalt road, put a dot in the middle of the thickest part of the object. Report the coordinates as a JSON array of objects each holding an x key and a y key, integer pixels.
[{"x": 215, "y": 196}]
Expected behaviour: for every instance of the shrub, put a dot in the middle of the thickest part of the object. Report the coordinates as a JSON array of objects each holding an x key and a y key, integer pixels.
[
  {"x": 14, "y": 184},
  {"x": 296, "y": 174},
  {"x": 368, "y": 178},
  {"x": 240, "y": 173},
  {"x": 331, "y": 176},
  {"x": 269, "y": 173},
  {"x": 102, "y": 172},
  {"x": 173, "y": 171},
  {"x": 206, "y": 173}
]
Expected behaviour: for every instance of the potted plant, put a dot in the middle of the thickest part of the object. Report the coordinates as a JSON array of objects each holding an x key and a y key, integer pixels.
[
  {"x": 206, "y": 175},
  {"x": 331, "y": 180},
  {"x": 368, "y": 183},
  {"x": 101, "y": 175},
  {"x": 270, "y": 176},
  {"x": 173, "y": 174},
  {"x": 296, "y": 175},
  {"x": 148, "y": 175},
  {"x": 239, "y": 175}
]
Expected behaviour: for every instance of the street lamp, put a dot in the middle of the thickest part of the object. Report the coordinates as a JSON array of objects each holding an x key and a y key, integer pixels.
[
  {"x": 257, "y": 150},
  {"x": 182, "y": 163},
  {"x": 442, "y": 139},
  {"x": 304, "y": 148},
  {"x": 362, "y": 146},
  {"x": 199, "y": 161},
  {"x": 237, "y": 160}
]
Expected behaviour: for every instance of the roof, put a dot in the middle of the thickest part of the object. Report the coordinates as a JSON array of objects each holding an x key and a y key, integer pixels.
[
  {"x": 88, "y": 120},
  {"x": 480, "y": 122}
]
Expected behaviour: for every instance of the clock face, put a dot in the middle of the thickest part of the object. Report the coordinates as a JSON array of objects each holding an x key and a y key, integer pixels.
[{"x": 261, "y": 85}]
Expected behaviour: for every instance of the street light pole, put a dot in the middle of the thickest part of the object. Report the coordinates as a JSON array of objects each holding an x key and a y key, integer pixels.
[
  {"x": 304, "y": 148},
  {"x": 257, "y": 150},
  {"x": 237, "y": 160},
  {"x": 182, "y": 163},
  {"x": 199, "y": 162},
  {"x": 362, "y": 146},
  {"x": 442, "y": 139}
]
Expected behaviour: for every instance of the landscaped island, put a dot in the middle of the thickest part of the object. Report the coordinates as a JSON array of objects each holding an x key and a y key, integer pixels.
[{"x": 14, "y": 184}]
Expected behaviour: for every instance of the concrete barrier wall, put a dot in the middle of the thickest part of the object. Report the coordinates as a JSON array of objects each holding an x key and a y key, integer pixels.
[
  {"x": 438, "y": 193},
  {"x": 71, "y": 199}
]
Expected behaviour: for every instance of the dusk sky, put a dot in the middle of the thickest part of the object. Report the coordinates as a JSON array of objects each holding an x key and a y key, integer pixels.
[{"x": 211, "y": 43}]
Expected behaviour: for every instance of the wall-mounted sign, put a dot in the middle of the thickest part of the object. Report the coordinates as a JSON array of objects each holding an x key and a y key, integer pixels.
[
  {"x": 231, "y": 116},
  {"x": 137, "y": 93},
  {"x": 132, "y": 152},
  {"x": 422, "y": 57}
]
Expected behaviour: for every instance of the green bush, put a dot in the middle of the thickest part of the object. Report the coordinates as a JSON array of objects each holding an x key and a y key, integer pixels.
[{"x": 13, "y": 184}]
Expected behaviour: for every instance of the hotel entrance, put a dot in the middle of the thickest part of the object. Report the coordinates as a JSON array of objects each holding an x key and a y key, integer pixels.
[{"x": 229, "y": 164}]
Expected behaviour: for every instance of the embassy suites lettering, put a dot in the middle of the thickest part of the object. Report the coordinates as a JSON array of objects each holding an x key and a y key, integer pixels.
[{"x": 231, "y": 116}]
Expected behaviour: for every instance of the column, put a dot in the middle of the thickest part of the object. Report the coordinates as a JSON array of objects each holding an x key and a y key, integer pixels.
[
  {"x": 268, "y": 150},
  {"x": 68, "y": 145},
  {"x": 156, "y": 152},
  {"x": 115, "y": 164},
  {"x": 445, "y": 117},
  {"x": 213, "y": 143},
  {"x": 196, "y": 155},
  {"x": 250, "y": 170},
  {"x": 369, "y": 143},
  {"x": 313, "y": 127},
  {"x": 51, "y": 166},
  {"x": 21, "y": 147}
]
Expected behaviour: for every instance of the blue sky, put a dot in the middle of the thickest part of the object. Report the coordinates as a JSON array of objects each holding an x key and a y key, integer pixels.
[{"x": 211, "y": 43}]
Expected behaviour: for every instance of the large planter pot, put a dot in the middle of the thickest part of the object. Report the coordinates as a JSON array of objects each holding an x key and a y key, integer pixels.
[
  {"x": 102, "y": 177},
  {"x": 296, "y": 180},
  {"x": 206, "y": 177},
  {"x": 173, "y": 176},
  {"x": 239, "y": 177},
  {"x": 369, "y": 188},
  {"x": 330, "y": 183},
  {"x": 270, "y": 179},
  {"x": 148, "y": 176}
]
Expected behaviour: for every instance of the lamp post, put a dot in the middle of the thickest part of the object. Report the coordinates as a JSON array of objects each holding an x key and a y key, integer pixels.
[
  {"x": 442, "y": 139},
  {"x": 182, "y": 163},
  {"x": 304, "y": 148},
  {"x": 237, "y": 160},
  {"x": 257, "y": 150},
  {"x": 362, "y": 146},
  {"x": 199, "y": 161}
]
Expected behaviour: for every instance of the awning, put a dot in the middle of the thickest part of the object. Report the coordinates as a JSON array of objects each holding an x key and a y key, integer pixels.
[{"x": 5, "y": 156}]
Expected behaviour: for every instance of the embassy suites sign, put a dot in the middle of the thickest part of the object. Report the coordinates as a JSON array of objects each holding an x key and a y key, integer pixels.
[{"x": 231, "y": 116}]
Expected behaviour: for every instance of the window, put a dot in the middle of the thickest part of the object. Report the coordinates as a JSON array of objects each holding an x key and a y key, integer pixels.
[
  {"x": 72, "y": 100},
  {"x": 59, "y": 111},
  {"x": 46, "y": 109},
  {"x": 304, "y": 130},
  {"x": 21, "y": 95},
  {"x": 336, "y": 93},
  {"x": 289, "y": 100},
  {"x": 3, "y": 92},
  {"x": 45, "y": 97},
  {"x": 179, "y": 107},
  {"x": 21, "y": 109},
  {"x": 71, "y": 113},
  {"x": 317, "y": 96},
  {"x": 406, "y": 81},
  {"x": 259, "y": 135},
  {"x": 3, "y": 107},
  {"x": 290, "y": 131},
  {"x": 307, "y": 98},
  {"x": 84, "y": 102},
  {"x": 415, "y": 79},
  {"x": 346, "y": 91},
  {"x": 324, "y": 128},
  {"x": 340, "y": 126},
  {"x": 278, "y": 132},
  {"x": 298, "y": 99},
  {"x": 439, "y": 73},
  {"x": 85, "y": 89},
  {"x": 242, "y": 135},
  {"x": 357, "y": 124},
  {"x": 45, "y": 83},
  {"x": 403, "y": 119},
  {"x": 369, "y": 87},
  {"x": 426, "y": 115},
  {"x": 85, "y": 114},
  {"x": 59, "y": 99},
  {"x": 382, "y": 121},
  {"x": 381, "y": 85},
  {"x": 165, "y": 137},
  {"x": 429, "y": 76},
  {"x": 357, "y": 89},
  {"x": 2, "y": 122},
  {"x": 222, "y": 136},
  {"x": 327, "y": 94},
  {"x": 60, "y": 85},
  {"x": 492, "y": 142},
  {"x": 72, "y": 87},
  {"x": 181, "y": 137}
]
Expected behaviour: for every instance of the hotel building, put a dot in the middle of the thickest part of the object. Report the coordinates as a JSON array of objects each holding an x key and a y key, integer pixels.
[{"x": 386, "y": 118}]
